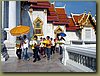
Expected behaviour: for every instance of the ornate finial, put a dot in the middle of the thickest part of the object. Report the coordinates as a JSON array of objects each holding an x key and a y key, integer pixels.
[
  {"x": 90, "y": 12},
  {"x": 65, "y": 6},
  {"x": 85, "y": 11},
  {"x": 53, "y": 3}
]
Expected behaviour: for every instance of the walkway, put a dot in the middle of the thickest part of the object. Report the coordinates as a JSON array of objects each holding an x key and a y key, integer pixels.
[{"x": 54, "y": 65}]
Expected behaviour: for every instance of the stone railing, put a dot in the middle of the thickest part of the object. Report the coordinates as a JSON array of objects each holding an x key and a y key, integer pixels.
[
  {"x": 81, "y": 54},
  {"x": 82, "y": 42}
]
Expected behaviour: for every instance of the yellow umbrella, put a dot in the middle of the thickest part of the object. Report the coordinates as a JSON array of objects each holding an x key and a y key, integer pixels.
[{"x": 19, "y": 30}]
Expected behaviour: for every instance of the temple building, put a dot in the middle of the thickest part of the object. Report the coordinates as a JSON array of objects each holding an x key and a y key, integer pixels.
[
  {"x": 83, "y": 27},
  {"x": 44, "y": 20}
]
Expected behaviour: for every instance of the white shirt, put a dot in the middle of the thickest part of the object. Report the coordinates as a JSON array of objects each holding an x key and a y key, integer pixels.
[
  {"x": 25, "y": 45},
  {"x": 52, "y": 43},
  {"x": 32, "y": 42}
]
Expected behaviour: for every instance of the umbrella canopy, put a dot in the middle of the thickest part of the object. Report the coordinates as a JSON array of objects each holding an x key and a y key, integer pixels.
[
  {"x": 19, "y": 30},
  {"x": 62, "y": 34}
]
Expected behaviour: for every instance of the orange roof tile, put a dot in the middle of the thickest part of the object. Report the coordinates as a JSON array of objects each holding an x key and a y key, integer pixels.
[
  {"x": 38, "y": 0},
  {"x": 38, "y": 3},
  {"x": 72, "y": 28},
  {"x": 52, "y": 16},
  {"x": 62, "y": 20},
  {"x": 60, "y": 11},
  {"x": 51, "y": 8},
  {"x": 62, "y": 16},
  {"x": 70, "y": 22}
]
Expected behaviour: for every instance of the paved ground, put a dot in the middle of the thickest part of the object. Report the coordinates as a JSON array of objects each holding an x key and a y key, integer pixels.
[{"x": 54, "y": 65}]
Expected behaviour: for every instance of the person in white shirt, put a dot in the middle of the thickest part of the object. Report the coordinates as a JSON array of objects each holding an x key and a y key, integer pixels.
[
  {"x": 52, "y": 46},
  {"x": 25, "y": 47},
  {"x": 32, "y": 43},
  {"x": 36, "y": 49}
]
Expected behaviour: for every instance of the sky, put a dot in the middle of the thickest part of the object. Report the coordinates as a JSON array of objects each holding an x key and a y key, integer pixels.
[{"x": 77, "y": 7}]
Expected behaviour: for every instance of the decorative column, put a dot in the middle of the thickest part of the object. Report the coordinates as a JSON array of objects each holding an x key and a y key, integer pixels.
[
  {"x": 2, "y": 14},
  {"x": 12, "y": 19}
]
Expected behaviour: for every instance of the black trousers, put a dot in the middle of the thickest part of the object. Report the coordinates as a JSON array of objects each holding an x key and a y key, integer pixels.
[
  {"x": 36, "y": 55},
  {"x": 19, "y": 52},
  {"x": 52, "y": 49},
  {"x": 61, "y": 50}
]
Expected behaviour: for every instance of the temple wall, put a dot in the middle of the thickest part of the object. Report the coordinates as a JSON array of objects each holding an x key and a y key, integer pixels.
[
  {"x": 88, "y": 34},
  {"x": 71, "y": 35},
  {"x": 43, "y": 16},
  {"x": 50, "y": 30}
]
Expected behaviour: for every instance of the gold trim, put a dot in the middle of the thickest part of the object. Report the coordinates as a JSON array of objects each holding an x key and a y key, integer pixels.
[
  {"x": 40, "y": 28},
  {"x": 81, "y": 18},
  {"x": 86, "y": 19},
  {"x": 73, "y": 19},
  {"x": 55, "y": 31},
  {"x": 39, "y": 34}
]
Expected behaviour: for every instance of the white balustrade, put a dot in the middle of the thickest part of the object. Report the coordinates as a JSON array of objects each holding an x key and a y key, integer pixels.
[{"x": 81, "y": 54}]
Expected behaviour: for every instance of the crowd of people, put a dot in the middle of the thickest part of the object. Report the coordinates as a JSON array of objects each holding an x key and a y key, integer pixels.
[{"x": 43, "y": 47}]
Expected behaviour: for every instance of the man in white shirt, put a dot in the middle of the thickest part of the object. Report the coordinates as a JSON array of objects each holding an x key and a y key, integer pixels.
[
  {"x": 52, "y": 46},
  {"x": 25, "y": 47},
  {"x": 36, "y": 49}
]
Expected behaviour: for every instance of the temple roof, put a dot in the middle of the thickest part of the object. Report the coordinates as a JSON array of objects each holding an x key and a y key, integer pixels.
[
  {"x": 62, "y": 16},
  {"x": 76, "y": 18},
  {"x": 58, "y": 15},
  {"x": 39, "y": 3},
  {"x": 55, "y": 16},
  {"x": 71, "y": 25},
  {"x": 51, "y": 14},
  {"x": 82, "y": 20},
  {"x": 72, "y": 28},
  {"x": 71, "y": 22}
]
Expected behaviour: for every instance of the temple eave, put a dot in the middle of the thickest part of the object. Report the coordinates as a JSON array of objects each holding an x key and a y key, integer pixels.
[
  {"x": 72, "y": 28},
  {"x": 35, "y": 6},
  {"x": 62, "y": 23}
]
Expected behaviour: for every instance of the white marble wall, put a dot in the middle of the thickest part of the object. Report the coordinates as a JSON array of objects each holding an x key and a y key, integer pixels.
[
  {"x": 42, "y": 16},
  {"x": 71, "y": 36},
  {"x": 91, "y": 35},
  {"x": 50, "y": 30}
]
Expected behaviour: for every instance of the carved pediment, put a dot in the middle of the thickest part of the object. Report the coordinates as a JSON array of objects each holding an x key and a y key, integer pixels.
[{"x": 58, "y": 30}]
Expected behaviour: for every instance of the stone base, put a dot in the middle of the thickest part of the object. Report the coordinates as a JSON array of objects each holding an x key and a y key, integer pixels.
[
  {"x": 2, "y": 59},
  {"x": 11, "y": 48}
]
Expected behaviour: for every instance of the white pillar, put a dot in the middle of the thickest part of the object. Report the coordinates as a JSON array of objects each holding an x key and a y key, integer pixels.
[
  {"x": 2, "y": 14},
  {"x": 12, "y": 19},
  {"x": 65, "y": 55},
  {"x": 82, "y": 34}
]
